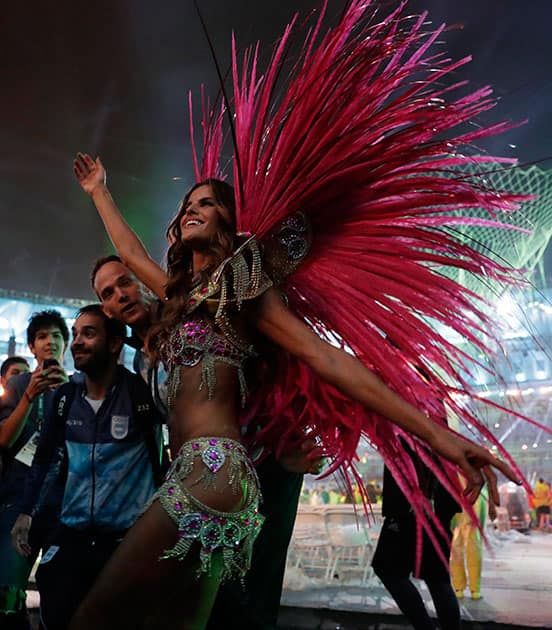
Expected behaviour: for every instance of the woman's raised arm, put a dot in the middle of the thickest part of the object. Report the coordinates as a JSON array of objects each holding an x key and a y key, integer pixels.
[
  {"x": 92, "y": 177},
  {"x": 350, "y": 376}
]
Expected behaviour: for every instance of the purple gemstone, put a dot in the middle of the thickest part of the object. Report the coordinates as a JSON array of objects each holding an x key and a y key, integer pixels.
[
  {"x": 178, "y": 506},
  {"x": 213, "y": 442},
  {"x": 170, "y": 490},
  {"x": 214, "y": 456},
  {"x": 195, "y": 446}
]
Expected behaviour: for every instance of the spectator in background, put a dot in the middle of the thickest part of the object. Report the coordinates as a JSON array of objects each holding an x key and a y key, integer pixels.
[
  {"x": 542, "y": 500},
  {"x": 371, "y": 492},
  {"x": 27, "y": 400},
  {"x": 467, "y": 548},
  {"x": 12, "y": 366}
]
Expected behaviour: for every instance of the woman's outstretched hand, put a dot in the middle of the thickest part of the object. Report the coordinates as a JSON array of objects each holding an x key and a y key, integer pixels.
[
  {"x": 89, "y": 173},
  {"x": 475, "y": 462}
]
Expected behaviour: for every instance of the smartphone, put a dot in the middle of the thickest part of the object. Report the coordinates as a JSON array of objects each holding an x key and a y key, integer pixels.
[{"x": 48, "y": 363}]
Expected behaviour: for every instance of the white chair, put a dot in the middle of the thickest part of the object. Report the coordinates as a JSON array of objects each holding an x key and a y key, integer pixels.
[
  {"x": 352, "y": 546},
  {"x": 310, "y": 547}
]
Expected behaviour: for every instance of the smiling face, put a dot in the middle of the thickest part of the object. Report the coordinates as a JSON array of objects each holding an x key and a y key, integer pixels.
[
  {"x": 121, "y": 295},
  {"x": 91, "y": 347},
  {"x": 202, "y": 216}
]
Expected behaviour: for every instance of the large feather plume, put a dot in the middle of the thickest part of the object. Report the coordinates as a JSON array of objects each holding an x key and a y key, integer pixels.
[{"x": 367, "y": 134}]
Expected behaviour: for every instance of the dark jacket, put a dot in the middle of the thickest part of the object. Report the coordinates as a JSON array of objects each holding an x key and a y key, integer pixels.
[{"x": 14, "y": 472}]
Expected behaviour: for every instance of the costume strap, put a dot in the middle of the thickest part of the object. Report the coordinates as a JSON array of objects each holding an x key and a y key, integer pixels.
[{"x": 238, "y": 278}]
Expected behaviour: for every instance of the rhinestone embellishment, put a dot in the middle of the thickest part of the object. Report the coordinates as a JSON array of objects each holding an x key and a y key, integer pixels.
[{"x": 213, "y": 458}]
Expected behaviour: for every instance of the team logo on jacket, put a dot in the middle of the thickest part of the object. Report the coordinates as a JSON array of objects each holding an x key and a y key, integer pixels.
[
  {"x": 48, "y": 555},
  {"x": 119, "y": 427}
]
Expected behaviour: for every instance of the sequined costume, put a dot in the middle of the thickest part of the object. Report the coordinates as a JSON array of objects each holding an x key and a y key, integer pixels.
[
  {"x": 206, "y": 336},
  {"x": 232, "y": 533}
]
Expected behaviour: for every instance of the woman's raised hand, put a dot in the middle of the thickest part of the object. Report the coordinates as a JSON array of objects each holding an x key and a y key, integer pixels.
[{"x": 89, "y": 173}]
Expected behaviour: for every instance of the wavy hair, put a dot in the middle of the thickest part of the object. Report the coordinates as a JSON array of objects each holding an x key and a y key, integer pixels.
[{"x": 180, "y": 255}]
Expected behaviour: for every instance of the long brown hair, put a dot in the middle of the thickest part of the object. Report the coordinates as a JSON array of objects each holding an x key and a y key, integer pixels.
[{"x": 180, "y": 254}]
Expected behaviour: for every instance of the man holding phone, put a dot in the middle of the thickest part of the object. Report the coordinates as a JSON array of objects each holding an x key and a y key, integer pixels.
[{"x": 27, "y": 401}]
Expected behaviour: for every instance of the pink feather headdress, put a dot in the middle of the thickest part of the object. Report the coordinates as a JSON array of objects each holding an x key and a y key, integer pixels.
[{"x": 368, "y": 138}]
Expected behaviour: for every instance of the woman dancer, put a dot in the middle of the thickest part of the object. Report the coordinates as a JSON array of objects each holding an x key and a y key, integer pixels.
[
  {"x": 203, "y": 520},
  {"x": 357, "y": 161}
]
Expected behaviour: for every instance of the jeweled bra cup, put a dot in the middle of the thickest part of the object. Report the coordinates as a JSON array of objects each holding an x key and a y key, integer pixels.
[
  {"x": 232, "y": 533},
  {"x": 196, "y": 341}
]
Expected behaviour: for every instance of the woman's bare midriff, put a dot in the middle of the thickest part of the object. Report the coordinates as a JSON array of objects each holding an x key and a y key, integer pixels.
[{"x": 194, "y": 415}]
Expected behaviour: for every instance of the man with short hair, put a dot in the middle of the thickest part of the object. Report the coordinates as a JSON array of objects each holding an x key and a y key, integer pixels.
[
  {"x": 124, "y": 297},
  {"x": 121, "y": 294},
  {"x": 26, "y": 402},
  {"x": 105, "y": 423}
]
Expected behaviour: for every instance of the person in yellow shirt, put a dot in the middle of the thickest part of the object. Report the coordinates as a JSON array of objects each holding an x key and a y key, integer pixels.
[
  {"x": 542, "y": 499},
  {"x": 467, "y": 548}
]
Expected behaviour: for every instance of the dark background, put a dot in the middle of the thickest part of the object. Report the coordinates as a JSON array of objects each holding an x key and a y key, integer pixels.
[{"x": 112, "y": 78}]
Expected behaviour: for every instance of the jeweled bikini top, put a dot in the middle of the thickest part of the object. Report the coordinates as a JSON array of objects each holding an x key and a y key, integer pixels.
[
  {"x": 206, "y": 335},
  {"x": 196, "y": 341},
  {"x": 208, "y": 339}
]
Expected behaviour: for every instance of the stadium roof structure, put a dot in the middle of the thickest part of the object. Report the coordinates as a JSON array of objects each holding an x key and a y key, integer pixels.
[{"x": 518, "y": 248}]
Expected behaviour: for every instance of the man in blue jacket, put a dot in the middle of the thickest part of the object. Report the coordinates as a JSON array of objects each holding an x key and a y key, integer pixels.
[{"x": 106, "y": 424}]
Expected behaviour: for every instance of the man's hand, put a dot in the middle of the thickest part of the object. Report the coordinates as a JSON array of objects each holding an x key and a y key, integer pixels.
[
  {"x": 307, "y": 459},
  {"x": 20, "y": 535},
  {"x": 475, "y": 462},
  {"x": 56, "y": 375},
  {"x": 38, "y": 384}
]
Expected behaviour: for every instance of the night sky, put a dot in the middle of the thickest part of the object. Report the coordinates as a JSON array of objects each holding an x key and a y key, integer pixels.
[{"x": 112, "y": 78}]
